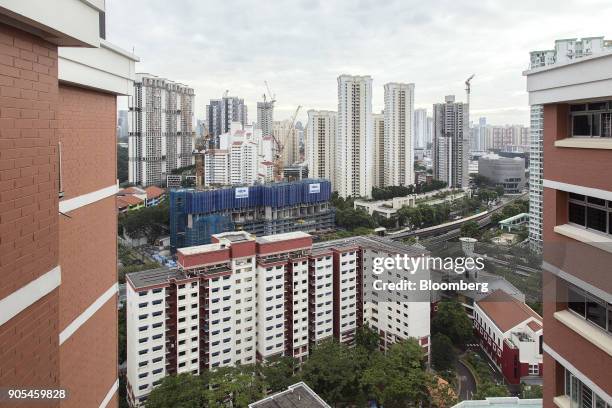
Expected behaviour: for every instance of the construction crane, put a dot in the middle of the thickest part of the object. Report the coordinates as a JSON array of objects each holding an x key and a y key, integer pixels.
[
  {"x": 272, "y": 97},
  {"x": 278, "y": 157},
  {"x": 467, "y": 87}
]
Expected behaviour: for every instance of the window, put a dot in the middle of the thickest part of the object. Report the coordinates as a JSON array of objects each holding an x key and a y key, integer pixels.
[
  {"x": 591, "y": 120},
  {"x": 589, "y": 307},
  {"x": 590, "y": 212},
  {"x": 580, "y": 395}
]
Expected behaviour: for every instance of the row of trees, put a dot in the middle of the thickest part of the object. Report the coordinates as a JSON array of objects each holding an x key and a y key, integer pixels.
[
  {"x": 389, "y": 192},
  {"x": 450, "y": 328},
  {"x": 148, "y": 222},
  {"x": 338, "y": 373}
]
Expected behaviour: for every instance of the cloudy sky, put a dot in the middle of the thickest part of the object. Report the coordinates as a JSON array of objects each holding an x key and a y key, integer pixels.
[{"x": 301, "y": 46}]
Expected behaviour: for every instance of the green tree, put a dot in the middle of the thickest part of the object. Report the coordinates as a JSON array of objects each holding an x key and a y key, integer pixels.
[
  {"x": 488, "y": 389},
  {"x": 367, "y": 338},
  {"x": 180, "y": 391},
  {"x": 452, "y": 321},
  {"x": 332, "y": 372},
  {"x": 531, "y": 391},
  {"x": 149, "y": 222},
  {"x": 398, "y": 379},
  {"x": 234, "y": 386},
  {"x": 443, "y": 356},
  {"x": 277, "y": 372},
  {"x": 496, "y": 218},
  {"x": 470, "y": 229}
]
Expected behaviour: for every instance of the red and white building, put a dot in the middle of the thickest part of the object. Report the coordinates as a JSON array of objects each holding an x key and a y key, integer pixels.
[
  {"x": 575, "y": 98},
  {"x": 510, "y": 332},
  {"x": 243, "y": 299}
]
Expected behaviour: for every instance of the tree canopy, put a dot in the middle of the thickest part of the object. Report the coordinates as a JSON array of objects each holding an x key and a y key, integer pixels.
[
  {"x": 149, "y": 222},
  {"x": 443, "y": 355},
  {"x": 452, "y": 321}
]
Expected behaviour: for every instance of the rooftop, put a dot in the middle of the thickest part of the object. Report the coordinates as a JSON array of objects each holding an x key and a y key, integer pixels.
[
  {"x": 506, "y": 311},
  {"x": 298, "y": 395},
  {"x": 501, "y": 402},
  {"x": 234, "y": 236},
  {"x": 198, "y": 249},
  {"x": 375, "y": 243},
  {"x": 152, "y": 277},
  {"x": 154, "y": 192},
  {"x": 282, "y": 237}
]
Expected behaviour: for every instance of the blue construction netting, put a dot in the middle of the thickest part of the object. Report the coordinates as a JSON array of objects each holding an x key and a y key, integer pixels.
[
  {"x": 200, "y": 203},
  {"x": 273, "y": 195}
]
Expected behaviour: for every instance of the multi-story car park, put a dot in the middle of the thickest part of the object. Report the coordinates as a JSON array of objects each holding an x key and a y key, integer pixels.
[
  {"x": 242, "y": 299},
  {"x": 577, "y": 236}
]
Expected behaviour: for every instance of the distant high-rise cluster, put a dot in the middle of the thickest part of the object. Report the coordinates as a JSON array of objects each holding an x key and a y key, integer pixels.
[
  {"x": 220, "y": 114},
  {"x": 565, "y": 51},
  {"x": 507, "y": 138},
  {"x": 450, "y": 142},
  {"x": 244, "y": 157},
  {"x": 357, "y": 149},
  {"x": 161, "y": 129}
]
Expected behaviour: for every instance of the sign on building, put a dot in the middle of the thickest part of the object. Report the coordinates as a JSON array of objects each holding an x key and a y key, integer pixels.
[
  {"x": 314, "y": 188},
  {"x": 242, "y": 192}
]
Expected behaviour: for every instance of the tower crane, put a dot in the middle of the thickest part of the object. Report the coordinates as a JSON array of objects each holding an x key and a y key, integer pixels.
[
  {"x": 467, "y": 87},
  {"x": 278, "y": 157},
  {"x": 270, "y": 95}
]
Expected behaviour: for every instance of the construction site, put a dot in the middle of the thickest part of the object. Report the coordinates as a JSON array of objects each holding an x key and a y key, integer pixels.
[{"x": 265, "y": 209}]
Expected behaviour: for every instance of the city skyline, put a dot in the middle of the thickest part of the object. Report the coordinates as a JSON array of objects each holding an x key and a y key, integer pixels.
[{"x": 302, "y": 50}]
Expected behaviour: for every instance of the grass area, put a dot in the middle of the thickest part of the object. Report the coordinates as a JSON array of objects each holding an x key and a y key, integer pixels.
[{"x": 132, "y": 261}]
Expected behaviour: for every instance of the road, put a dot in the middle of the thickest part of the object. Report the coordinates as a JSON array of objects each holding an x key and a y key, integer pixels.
[{"x": 466, "y": 382}]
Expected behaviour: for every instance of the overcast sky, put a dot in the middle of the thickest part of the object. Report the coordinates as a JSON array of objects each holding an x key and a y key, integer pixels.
[{"x": 301, "y": 46}]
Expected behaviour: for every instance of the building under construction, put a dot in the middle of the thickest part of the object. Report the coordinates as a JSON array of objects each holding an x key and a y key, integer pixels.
[{"x": 264, "y": 209}]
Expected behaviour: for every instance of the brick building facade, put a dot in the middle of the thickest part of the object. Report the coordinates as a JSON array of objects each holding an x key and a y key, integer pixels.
[
  {"x": 59, "y": 82},
  {"x": 577, "y": 236}
]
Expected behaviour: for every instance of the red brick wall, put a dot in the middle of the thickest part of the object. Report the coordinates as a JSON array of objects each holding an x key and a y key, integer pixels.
[
  {"x": 88, "y": 359},
  {"x": 88, "y": 255},
  {"x": 28, "y": 206},
  {"x": 87, "y": 126},
  {"x": 86, "y": 122},
  {"x": 29, "y": 354},
  {"x": 28, "y": 159}
]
